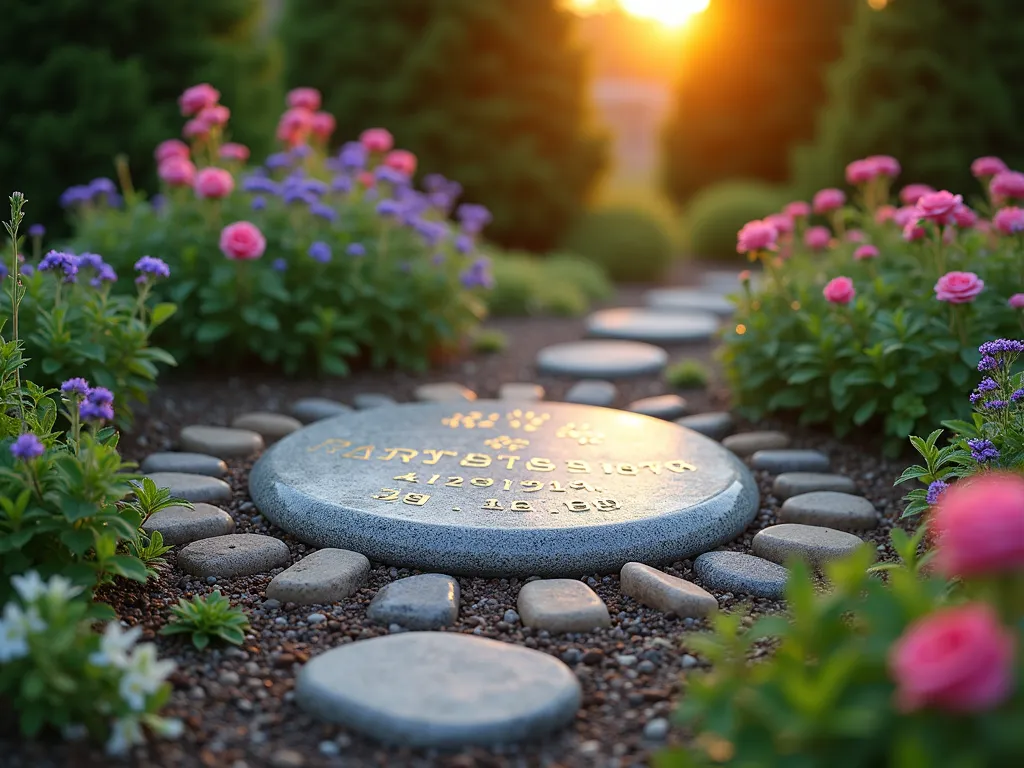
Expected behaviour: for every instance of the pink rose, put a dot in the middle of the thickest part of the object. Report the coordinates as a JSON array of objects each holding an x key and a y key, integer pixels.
[
  {"x": 233, "y": 151},
  {"x": 376, "y": 140},
  {"x": 218, "y": 114},
  {"x": 1007, "y": 184},
  {"x": 242, "y": 241},
  {"x": 782, "y": 222},
  {"x": 906, "y": 215},
  {"x": 860, "y": 172},
  {"x": 756, "y": 236},
  {"x": 401, "y": 160},
  {"x": 214, "y": 183},
  {"x": 911, "y": 193},
  {"x": 1009, "y": 221},
  {"x": 322, "y": 125},
  {"x": 744, "y": 276},
  {"x": 826, "y": 200},
  {"x": 294, "y": 126},
  {"x": 914, "y": 232},
  {"x": 817, "y": 238},
  {"x": 367, "y": 179},
  {"x": 197, "y": 98},
  {"x": 885, "y": 165},
  {"x": 958, "y": 287},
  {"x": 938, "y": 206},
  {"x": 1016, "y": 301},
  {"x": 985, "y": 167},
  {"x": 856, "y": 236},
  {"x": 839, "y": 290},
  {"x": 866, "y": 251},
  {"x": 304, "y": 98},
  {"x": 170, "y": 148},
  {"x": 979, "y": 526},
  {"x": 885, "y": 214},
  {"x": 957, "y": 659},
  {"x": 964, "y": 217},
  {"x": 177, "y": 171},
  {"x": 196, "y": 129},
  {"x": 797, "y": 210}
]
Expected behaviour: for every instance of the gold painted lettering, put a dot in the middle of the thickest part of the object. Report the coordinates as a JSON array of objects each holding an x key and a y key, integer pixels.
[
  {"x": 511, "y": 459},
  {"x": 492, "y": 504},
  {"x": 333, "y": 445},
  {"x": 482, "y": 482},
  {"x": 435, "y": 456},
  {"x": 627, "y": 469},
  {"x": 521, "y": 506},
  {"x": 540, "y": 465},
  {"x": 607, "y": 505},
  {"x": 409, "y": 477},
  {"x": 386, "y": 494},
  {"x": 478, "y": 460},
  {"x": 654, "y": 466},
  {"x": 577, "y": 506},
  {"x": 454, "y": 482},
  {"x": 578, "y": 466},
  {"x": 531, "y": 486},
  {"x": 556, "y": 487},
  {"x": 579, "y": 485},
  {"x": 433, "y": 479},
  {"x": 407, "y": 454},
  {"x": 679, "y": 466},
  {"x": 363, "y": 453},
  {"x": 415, "y": 499}
]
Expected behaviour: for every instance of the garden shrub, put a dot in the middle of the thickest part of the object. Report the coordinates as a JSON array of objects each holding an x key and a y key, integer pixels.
[
  {"x": 629, "y": 245},
  {"x": 208, "y": 618},
  {"x": 716, "y": 213},
  {"x": 555, "y": 285},
  {"x": 687, "y": 374}
]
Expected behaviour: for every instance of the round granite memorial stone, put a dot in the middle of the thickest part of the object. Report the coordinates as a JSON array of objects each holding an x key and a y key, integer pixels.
[
  {"x": 592, "y": 359},
  {"x": 494, "y": 488},
  {"x": 652, "y": 326}
]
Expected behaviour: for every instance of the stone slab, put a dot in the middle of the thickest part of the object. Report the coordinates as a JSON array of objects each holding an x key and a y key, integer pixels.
[
  {"x": 724, "y": 282},
  {"x": 749, "y": 443},
  {"x": 652, "y": 326},
  {"x": 713, "y": 424},
  {"x": 660, "y": 406},
  {"x": 815, "y": 544},
  {"x": 440, "y": 690},
  {"x": 189, "y": 463},
  {"x": 829, "y": 509},
  {"x": 524, "y": 392},
  {"x": 689, "y": 300},
  {"x": 591, "y": 359},
  {"x": 444, "y": 392},
  {"x": 310, "y": 409},
  {"x": 192, "y": 487},
  {"x": 779, "y": 461},
  {"x": 325, "y": 576},
  {"x": 367, "y": 400},
  {"x": 423, "y": 601},
  {"x": 270, "y": 426},
  {"x": 795, "y": 483},
  {"x": 223, "y": 442},
  {"x": 592, "y": 392},
  {"x": 739, "y": 572},
  {"x": 240, "y": 554},
  {"x": 561, "y": 605},
  {"x": 500, "y": 489},
  {"x": 181, "y": 525},
  {"x": 665, "y": 592}
]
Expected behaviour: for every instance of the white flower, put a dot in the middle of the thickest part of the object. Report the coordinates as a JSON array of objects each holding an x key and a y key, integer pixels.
[
  {"x": 143, "y": 676},
  {"x": 114, "y": 646},
  {"x": 61, "y": 590},
  {"x": 168, "y": 728},
  {"x": 124, "y": 734},
  {"x": 15, "y": 627},
  {"x": 30, "y": 586}
]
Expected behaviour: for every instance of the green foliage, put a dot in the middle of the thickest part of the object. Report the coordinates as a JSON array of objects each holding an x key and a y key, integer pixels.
[
  {"x": 493, "y": 94},
  {"x": 687, "y": 374},
  {"x": 208, "y": 618},
  {"x": 489, "y": 341},
  {"x": 716, "y": 214},
  {"x": 555, "y": 285},
  {"x": 629, "y": 244}
]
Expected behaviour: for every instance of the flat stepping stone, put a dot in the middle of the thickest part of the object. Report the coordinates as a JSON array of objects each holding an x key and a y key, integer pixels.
[
  {"x": 723, "y": 282},
  {"x": 657, "y": 589},
  {"x": 795, "y": 483},
  {"x": 562, "y": 605},
  {"x": 310, "y": 409},
  {"x": 713, "y": 424},
  {"x": 661, "y": 407},
  {"x": 424, "y": 601},
  {"x": 815, "y": 544},
  {"x": 602, "y": 359},
  {"x": 181, "y": 525},
  {"x": 192, "y": 487},
  {"x": 739, "y": 572},
  {"x": 521, "y": 391},
  {"x": 223, "y": 442},
  {"x": 652, "y": 326},
  {"x": 440, "y": 690},
  {"x": 444, "y": 392},
  {"x": 749, "y": 443},
  {"x": 689, "y": 300},
  {"x": 238, "y": 554},
  {"x": 326, "y": 576},
  {"x": 189, "y": 463},
  {"x": 270, "y": 426},
  {"x": 592, "y": 392},
  {"x": 830, "y": 509},
  {"x": 364, "y": 401},
  {"x": 779, "y": 461}
]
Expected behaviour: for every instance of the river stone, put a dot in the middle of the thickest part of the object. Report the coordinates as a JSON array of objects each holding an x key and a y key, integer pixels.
[
  {"x": 725, "y": 282},
  {"x": 181, "y": 525},
  {"x": 748, "y": 443},
  {"x": 660, "y": 407},
  {"x": 444, "y": 392},
  {"x": 651, "y": 326},
  {"x": 561, "y": 605},
  {"x": 310, "y": 409},
  {"x": 779, "y": 461},
  {"x": 816, "y": 544},
  {"x": 424, "y": 601},
  {"x": 688, "y": 300},
  {"x": 367, "y": 400},
  {"x": 189, "y": 463},
  {"x": 270, "y": 426},
  {"x": 592, "y": 392},
  {"x": 326, "y": 576},
  {"x": 795, "y": 483},
  {"x": 239, "y": 554},
  {"x": 714, "y": 424},
  {"x": 500, "y": 489},
  {"x": 224, "y": 442},
  {"x": 192, "y": 487},
  {"x": 829, "y": 509},
  {"x": 521, "y": 391},
  {"x": 601, "y": 359},
  {"x": 439, "y": 690},
  {"x": 738, "y": 572},
  {"x": 663, "y": 592}
]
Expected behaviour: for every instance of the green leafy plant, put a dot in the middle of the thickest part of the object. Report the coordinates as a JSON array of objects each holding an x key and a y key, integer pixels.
[
  {"x": 687, "y": 374},
  {"x": 716, "y": 213},
  {"x": 559, "y": 284},
  {"x": 489, "y": 341},
  {"x": 630, "y": 245},
  {"x": 208, "y": 618}
]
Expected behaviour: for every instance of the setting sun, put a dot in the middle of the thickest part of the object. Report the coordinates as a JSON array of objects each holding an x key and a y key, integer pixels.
[{"x": 671, "y": 13}]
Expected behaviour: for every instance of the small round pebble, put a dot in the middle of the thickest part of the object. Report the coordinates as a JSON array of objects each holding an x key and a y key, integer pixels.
[{"x": 656, "y": 729}]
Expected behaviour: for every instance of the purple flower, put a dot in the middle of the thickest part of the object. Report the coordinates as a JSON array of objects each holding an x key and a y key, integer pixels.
[
  {"x": 258, "y": 203},
  {"x": 90, "y": 261},
  {"x": 356, "y": 249},
  {"x": 301, "y": 151},
  {"x": 320, "y": 251},
  {"x": 150, "y": 265},
  {"x": 988, "y": 363},
  {"x": 27, "y": 446},
  {"x": 279, "y": 265},
  {"x": 473, "y": 217},
  {"x": 296, "y": 194},
  {"x": 341, "y": 183},
  {"x": 987, "y": 384},
  {"x": 102, "y": 186},
  {"x": 478, "y": 275},
  {"x": 157, "y": 202},
  {"x": 26, "y": 269},
  {"x": 432, "y": 232},
  {"x": 1017, "y": 396},
  {"x": 315, "y": 186},
  {"x": 279, "y": 160},
  {"x": 323, "y": 211},
  {"x": 437, "y": 259},
  {"x": 391, "y": 176},
  {"x": 259, "y": 184},
  {"x": 996, "y": 405},
  {"x": 1002, "y": 346},
  {"x": 75, "y": 386},
  {"x": 57, "y": 260},
  {"x": 36, "y": 230},
  {"x": 982, "y": 450},
  {"x": 353, "y": 156},
  {"x": 464, "y": 244},
  {"x": 75, "y": 195},
  {"x": 105, "y": 274},
  {"x": 4, "y": 271},
  {"x": 98, "y": 405},
  {"x": 100, "y": 396},
  {"x": 389, "y": 208},
  {"x": 935, "y": 490}
]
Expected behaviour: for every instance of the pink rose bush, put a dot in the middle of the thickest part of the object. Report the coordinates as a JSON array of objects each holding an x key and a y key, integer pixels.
[
  {"x": 242, "y": 241},
  {"x": 214, "y": 183},
  {"x": 839, "y": 290},
  {"x": 1016, "y": 301},
  {"x": 958, "y": 287},
  {"x": 757, "y": 236}
]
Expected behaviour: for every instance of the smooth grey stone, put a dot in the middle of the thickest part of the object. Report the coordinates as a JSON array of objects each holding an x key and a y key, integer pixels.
[
  {"x": 270, "y": 426},
  {"x": 829, "y": 509},
  {"x": 576, "y": 490},
  {"x": 224, "y": 442},
  {"x": 310, "y": 409},
  {"x": 652, "y": 326},
  {"x": 749, "y": 443},
  {"x": 779, "y": 461},
  {"x": 592, "y": 392},
  {"x": 239, "y": 554},
  {"x": 592, "y": 359},
  {"x": 367, "y": 400},
  {"x": 815, "y": 544},
  {"x": 326, "y": 576},
  {"x": 670, "y": 594},
  {"x": 189, "y": 463},
  {"x": 444, "y": 392},
  {"x": 724, "y": 283},
  {"x": 714, "y": 424},
  {"x": 795, "y": 483},
  {"x": 439, "y": 690},
  {"x": 181, "y": 525},
  {"x": 738, "y": 572},
  {"x": 689, "y": 300},
  {"x": 192, "y": 487},
  {"x": 561, "y": 605},
  {"x": 521, "y": 391},
  {"x": 660, "y": 407},
  {"x": 424, "y": 601}
]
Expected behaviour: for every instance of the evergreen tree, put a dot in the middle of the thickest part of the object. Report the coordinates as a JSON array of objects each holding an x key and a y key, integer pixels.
[
  {"x": 492, "y": 94},
  {"x": 749, "y": 87}
]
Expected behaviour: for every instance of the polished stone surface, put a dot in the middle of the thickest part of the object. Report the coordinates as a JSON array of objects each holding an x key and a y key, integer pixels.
[
  {"x": 688, "y": 300},
  {"x": 364, "y": 401},
  {"x": 592, "y": 359},
  {"x": 748, "y": 443},
  {"x": 652, "y": 326}
]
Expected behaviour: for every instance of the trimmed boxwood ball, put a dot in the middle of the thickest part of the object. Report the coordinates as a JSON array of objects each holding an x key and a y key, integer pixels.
[
  {"x": 629, "y": 244},
  {"x": 718, "y": 212},
  {"x": 561, "y": 284}
]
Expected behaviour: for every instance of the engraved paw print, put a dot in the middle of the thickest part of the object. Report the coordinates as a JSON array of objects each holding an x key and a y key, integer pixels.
[
  {"x": 471, "y": 420},
  {"x": 506, "y": 443},
  {"x": 528, "y": 421},
  {"x": 582, "y": 434}
]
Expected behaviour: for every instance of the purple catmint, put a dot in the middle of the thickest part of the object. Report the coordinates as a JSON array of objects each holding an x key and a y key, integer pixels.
[
  {"x": 1002, "y": 346},
  {"x": 988, "y": 384},
  {"x": 988, "y": 363},
  {"x": 296, "y": 194},
  {"x": 26, "y": 270},
  {"x": 1017, "y": 396},
  {"x": 56, "y": 261},
  {"x": 98, "y": 405},
  {"x": 341, "y": 183},
  {"x": 279, "y": 265},
  {"x": 76, "y": 386},
  {"x": 478, "y": 275},
  {"x": 353, "y": 156},
  {"x": 102, "y": 186},
  {"x": 323, "y": 211},
  {"x": 315, "y": 186},
  {"x": 75, "y": 195},
  {"x": 996, "y": 405},
  {"x": 982, "y": 450},
  {"x": 36, "y": 230},
  {"x": 106, "y": 274},
  {"x": 27, "y": 446},
  {"x": 432, "y": 232},
  {"x": 320, "y": 251},
  {"x": 152, "y": 266},
  {"x": 473, "y": 217},
  {"x": 391, "y": 176},
  {"x": 258, "y": 203},
  {"x": 389, "y": 209},
  {"x": 356, "y": 249},
  {"x": 464, "y": 244},
  {"x": 260, "y": 184},
  {"x": 279, "y": 160},
  {"x": 975, "y": 398},
  {"x": 935, "y": 490}
]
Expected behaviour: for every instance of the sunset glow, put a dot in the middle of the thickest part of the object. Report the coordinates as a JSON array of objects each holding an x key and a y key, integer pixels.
[{"x": 670, "y": 13}]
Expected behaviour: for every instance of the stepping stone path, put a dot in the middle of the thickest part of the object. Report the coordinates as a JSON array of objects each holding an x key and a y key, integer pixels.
[
  {"x": 592, "y": 392},
  {"x": 724, "y": 282},
  {"x": 239, "y": 554},
  {"x": 779, "y": 461},
  {"x": 444, "y": 392},
  {"x": 521, "y": 391},
  {"x": 748, "y": 443},
  {"x": 310, "y": 409},
  {"x": 326, "y": 576},
  {"x": 689, "y": 300},
  {"x": 829, "y": 509},
  {"x": 189, "y": 463},
  {"x": 223, "y": 442},
  {"x": 440, "y": 690},
  {"x": 714, "y": 424},
  {"x": 795, "y": 483},
  {"x": 670, "y": 594},
  {"x": 602, "y": 359},
  {"x": 739, "y": 572},
  {"x": 661, "y": 407},
  {"x": 181, "y": 525},
  {"x": 815, "y": 544},
  {"x": 651, "y": 326},
  {"x": 366, "y": 400},
  {"x": 561, "y": 605},
  {"x": 270, "y": 426},
  {"x": 424, "y": 601},
  {"x": 192, "y": 487}
]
